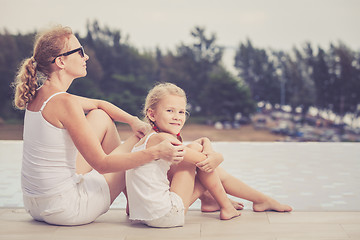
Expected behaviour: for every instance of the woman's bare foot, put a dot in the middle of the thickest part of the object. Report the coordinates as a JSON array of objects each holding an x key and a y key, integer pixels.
[
  {"x": 271, "y": 205},
  {"x": 227, "y": 214},
  {"x": 208, "y": 203},
  {"x": 237, "y": 205}
]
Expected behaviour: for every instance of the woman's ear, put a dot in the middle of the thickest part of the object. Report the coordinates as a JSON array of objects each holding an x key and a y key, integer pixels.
[
  {"x": 151, "y": 114},
  {"x": 59, "y": 62}
]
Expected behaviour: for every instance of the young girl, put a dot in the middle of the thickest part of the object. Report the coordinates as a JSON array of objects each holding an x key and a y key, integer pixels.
[{"x": 152, "y": 201}]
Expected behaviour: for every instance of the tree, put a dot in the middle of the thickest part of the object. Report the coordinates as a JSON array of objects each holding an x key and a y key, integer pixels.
[
  {"x": 14, "y": 48},
  {"x": 197, "y": 61},
  {"x": 300, "y": 85},
  {"x": 343, "y": 79},
  {"x": 259, "y": 72},
  {"x": 321, "y": 78},
  {"x": 119, "y": 71},
  {"x": 348, "y": 94},
  {"x": 224, "y": 97},
  {"x": 197, "y": 69}
]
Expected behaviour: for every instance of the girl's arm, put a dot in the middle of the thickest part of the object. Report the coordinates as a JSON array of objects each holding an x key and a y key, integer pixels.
[
  {"x": 206, "y": 144},
  {"x": 139, "y": 127},
  {"x": 213, "y": 159},
  {"x": 70, "y": 113}
]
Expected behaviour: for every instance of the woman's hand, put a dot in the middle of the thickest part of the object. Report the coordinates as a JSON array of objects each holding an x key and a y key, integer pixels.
[
  {"x": 171, "y": 150},
  {"x": 139, "y": 127},
  {"x": 212, "y": 161}
]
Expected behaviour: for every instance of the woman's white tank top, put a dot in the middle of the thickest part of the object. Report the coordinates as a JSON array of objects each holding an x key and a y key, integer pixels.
[{"x": 49, "y": 156}]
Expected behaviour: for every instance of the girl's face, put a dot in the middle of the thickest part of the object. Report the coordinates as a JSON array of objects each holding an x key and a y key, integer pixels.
[
  {"x": 75, "y": 63},
  {"x": 170, "y": 114}
]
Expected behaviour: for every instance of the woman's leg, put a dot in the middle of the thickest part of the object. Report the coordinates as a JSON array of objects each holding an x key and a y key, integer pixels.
[
  {"x": 209, "y": 204},
  {"x": 237, "y": 188},
  {"x": 109, "y": 138},
  {"x": 107, "y": 134},
  {"x": 116, "y": 181}
]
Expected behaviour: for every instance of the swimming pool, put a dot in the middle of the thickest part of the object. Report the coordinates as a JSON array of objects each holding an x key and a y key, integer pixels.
[{"x": 308, "y": 176}]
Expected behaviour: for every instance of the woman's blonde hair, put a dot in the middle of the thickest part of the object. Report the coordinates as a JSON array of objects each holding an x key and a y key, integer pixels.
[
  {"x": 158, "y": 92},
  {"x": 48, "y": 44}
]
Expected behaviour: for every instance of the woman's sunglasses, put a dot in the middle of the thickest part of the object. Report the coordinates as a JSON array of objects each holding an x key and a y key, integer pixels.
[{"x": 80, "y": 50}]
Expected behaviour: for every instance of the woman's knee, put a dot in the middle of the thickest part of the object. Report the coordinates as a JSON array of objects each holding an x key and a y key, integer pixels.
[
  {"x": 97, "y": 113},
  {"x": 98, "y": 116}
]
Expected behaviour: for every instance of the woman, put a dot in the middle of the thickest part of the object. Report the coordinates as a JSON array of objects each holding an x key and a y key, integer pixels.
[{"x": 73, "y": 163}]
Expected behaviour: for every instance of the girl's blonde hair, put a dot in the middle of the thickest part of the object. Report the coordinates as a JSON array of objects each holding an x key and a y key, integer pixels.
[
  {"x": 158, "y": 92},
  {"x": 48, "y": 44}
]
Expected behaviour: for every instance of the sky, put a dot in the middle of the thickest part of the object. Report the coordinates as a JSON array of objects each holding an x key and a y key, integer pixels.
[{"x": 276, "y": 24}]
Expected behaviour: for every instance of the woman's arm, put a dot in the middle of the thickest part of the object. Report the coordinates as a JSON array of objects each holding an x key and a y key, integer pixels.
[
  {"x": 192, "y": 154},
  {"x": 139, "y": 127},
  {"x": 71, "y": 115}
]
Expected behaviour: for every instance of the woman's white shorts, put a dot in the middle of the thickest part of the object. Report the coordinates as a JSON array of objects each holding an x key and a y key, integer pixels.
[
  {"x": 81, "y": 204},
  {"x": 174, "y": 218}
]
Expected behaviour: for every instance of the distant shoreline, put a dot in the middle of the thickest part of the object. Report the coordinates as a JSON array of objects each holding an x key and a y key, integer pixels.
[{"x": 245, "y": 133}]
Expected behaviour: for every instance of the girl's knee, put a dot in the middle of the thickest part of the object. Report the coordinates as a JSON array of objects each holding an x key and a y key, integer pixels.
[
  {"x": 185, "y": 167},
  {"x": 195, "y": 146}
]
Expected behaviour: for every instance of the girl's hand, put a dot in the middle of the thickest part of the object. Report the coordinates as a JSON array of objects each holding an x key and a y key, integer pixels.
[
  {"x": 212, "y": 161},
  {"x": 139, "y": 127},
  {"x": 172, "y": 151}
]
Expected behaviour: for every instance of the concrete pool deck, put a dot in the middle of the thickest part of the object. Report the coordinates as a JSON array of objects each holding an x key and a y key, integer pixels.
[{"x": 17, "y": 224}]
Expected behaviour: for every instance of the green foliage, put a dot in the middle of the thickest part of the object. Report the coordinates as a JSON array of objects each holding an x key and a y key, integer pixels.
[
  {"x": 121, "y": 74},
  {"x": 129, "y": 92},
  {"x": 328, "y": 80},
  {"x": 223, "y": 97},
  {"x": 13, "y": 48},
  {"x": 211, "y": 90},
  {"x": 259, "y": 72}
]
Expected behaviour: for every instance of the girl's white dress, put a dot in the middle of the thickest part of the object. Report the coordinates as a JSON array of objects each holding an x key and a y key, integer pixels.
[
  {"x": 149, "y": 196},
  {"x": 148, "y": 188}
]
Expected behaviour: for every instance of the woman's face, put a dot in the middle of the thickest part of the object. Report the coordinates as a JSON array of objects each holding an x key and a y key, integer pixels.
[
  {"x": 75, "y": 64},
  {"x": 170, "y": 114}
]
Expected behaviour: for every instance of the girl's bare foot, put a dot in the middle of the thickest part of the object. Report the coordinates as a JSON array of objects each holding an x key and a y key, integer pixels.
[
  {"x": 208, "y": 203},
  {"x": 271, "y": 205},
  {"x": 227, "y": 214}
]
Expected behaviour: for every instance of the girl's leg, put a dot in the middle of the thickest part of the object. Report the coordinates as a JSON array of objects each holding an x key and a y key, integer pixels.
[
  {"x": 237, "y": 188},
  {"x": 198, "y": 191},
  {"x": 182, "y": 181},
  {"x": 212, "y": 183},
  {"x": 109, "y": 138}
]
